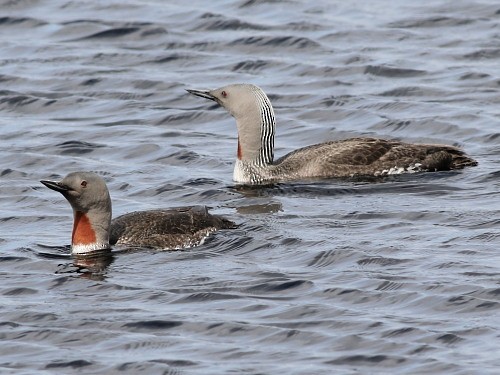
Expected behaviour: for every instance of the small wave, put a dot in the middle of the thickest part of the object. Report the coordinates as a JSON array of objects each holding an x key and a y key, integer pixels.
[
  {"x": 207, "y": 296},
  {"x": 400, "y": 332},
  {"x": 302, "y": 26},
  {"x": 155, "y": 325},
  {"x": 432, "y": 22},
  {"x": 91, "y": 81},
  {"x": 327, "y": 257},
  {"x": 486, "y": 53},
  {"x": 79, "y": 363},
  {"x": 181, "y": 157},
  {"x": 449, "y": 338},
  {"x": 155, "y": 366},
  {"x": 112, "y": 33},
  {"x": 381, "y": 261},
  {"x": 412, "y": 91},
  {"x": 335, "y": 101},
  {"x": 250, "y": 3},
  {"x": 12, "y": 99},
  {"x": 77, "y": 147},
  {"x": 19, "y": 291},
  {"x": 474, "y": 75},
  {"x": 25, "y": 21},
  {"x": 12, "y": 173},
  {"x": 173, "y": 57},
  {"x": 367, "y": 360},
  {"x": 385, "y": 71},
  {"x": 183, "y": 117},
  {"x": 389, "y": 285},
  {"x": 276, "y": 41},
  {"x": 215, "y": 22},
  {"x": 250, "y": 65},
  {"x": 278, "y": 286}
]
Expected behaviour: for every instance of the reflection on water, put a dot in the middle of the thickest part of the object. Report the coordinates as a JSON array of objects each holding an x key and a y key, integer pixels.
[
  {"x": 93, "y": 267},
  {"x": 253, "y": 209}
]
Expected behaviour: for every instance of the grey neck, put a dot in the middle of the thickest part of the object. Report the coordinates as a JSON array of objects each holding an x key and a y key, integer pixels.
[{"x": 101, "y": 222}]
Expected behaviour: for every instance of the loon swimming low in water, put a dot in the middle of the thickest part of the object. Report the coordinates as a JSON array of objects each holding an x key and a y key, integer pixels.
[
  {"x": 256, "y": 124},
  {"x": 93, "y": 229}
]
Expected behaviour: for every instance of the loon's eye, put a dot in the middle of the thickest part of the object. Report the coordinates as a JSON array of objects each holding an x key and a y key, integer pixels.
[{"x": 224, "y": 94}]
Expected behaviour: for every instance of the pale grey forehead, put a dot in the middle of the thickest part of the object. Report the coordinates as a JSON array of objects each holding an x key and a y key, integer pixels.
[
  {"x": 77, "y": 177},
  {"x": 239, "y": 86}
]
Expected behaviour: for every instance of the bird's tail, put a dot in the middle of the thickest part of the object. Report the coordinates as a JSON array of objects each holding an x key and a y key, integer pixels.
[{"x": 448, "y": 157}]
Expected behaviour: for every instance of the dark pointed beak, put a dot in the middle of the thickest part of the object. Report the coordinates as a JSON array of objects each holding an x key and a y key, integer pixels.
[
  {"x": 55, "y": 185},
  {"x": 202, "y": 93}
]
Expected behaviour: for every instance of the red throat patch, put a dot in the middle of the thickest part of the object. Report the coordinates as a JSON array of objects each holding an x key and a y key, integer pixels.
[
  {"x": 240, "y": 154},
  {"x": 83, "y": 233}
]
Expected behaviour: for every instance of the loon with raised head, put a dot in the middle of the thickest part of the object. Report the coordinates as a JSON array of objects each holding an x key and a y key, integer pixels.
[
  {"x": 94, "y": 230},
  {"x": 256, "y": 124}
]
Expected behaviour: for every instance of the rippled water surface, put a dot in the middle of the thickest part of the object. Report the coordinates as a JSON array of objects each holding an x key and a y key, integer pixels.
[{"x": 399, "y": 275}]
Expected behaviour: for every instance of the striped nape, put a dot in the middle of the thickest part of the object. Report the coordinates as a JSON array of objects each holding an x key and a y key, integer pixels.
[{"x": 267, "y": 129}]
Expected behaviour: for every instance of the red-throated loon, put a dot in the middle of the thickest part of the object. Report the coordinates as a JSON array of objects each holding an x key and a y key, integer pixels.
[
  {"x": 256, "y": 123},
  {"x": 94, "y": 230}
]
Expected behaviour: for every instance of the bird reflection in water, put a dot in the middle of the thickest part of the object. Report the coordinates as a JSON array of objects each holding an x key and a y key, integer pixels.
[{"x": 93, "y": 267}]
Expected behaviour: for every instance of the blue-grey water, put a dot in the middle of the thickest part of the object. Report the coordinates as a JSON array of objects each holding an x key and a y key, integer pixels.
[{"x": 395, "y": 276}]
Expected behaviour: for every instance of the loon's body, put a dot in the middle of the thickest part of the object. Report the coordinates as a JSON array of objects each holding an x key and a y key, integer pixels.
[
  {"x": 94, "y": 230},
  {"x": 174, "y": 228},
  {"x": 255, "y": 164}
]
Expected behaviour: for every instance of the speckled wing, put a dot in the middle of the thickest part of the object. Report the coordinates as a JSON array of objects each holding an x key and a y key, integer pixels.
[
  {"x": 173, "y": 228},
  {"x": 369, "y": 156}
]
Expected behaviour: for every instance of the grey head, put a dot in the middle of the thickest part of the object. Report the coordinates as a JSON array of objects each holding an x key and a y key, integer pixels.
[
  {"x": 254, "y": 116},
  {"x": 89, "y": 197},
  {"x": 85, "y": 191}
]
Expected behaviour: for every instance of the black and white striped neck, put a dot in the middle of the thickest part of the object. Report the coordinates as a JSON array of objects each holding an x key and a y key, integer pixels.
[{"x": 267, "y": 128}]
